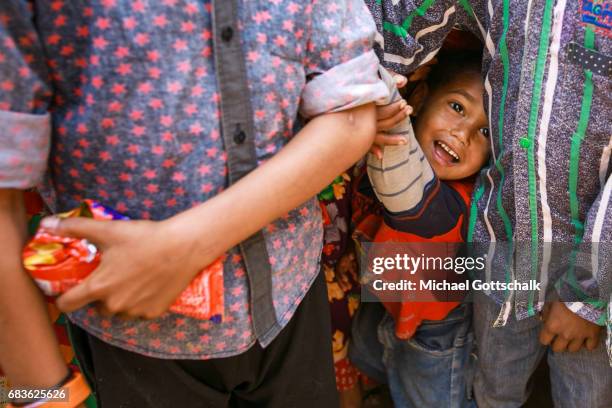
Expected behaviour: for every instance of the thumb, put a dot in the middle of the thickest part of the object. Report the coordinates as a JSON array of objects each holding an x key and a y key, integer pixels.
[
  {"x": 77, "y": 297},
  {"x": 400, "y": 80},
  {"x": 95, "y": 231}
]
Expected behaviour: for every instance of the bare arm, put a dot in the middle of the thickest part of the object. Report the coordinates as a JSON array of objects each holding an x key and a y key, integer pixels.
[
  {"x": 327, "y": 146},
  {"x": 146, "y": 264},
  {"x": 29, "y": 352}
]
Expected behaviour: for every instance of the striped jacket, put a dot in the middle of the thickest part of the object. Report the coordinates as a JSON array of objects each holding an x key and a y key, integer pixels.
[{"x": 546, "y": 68}]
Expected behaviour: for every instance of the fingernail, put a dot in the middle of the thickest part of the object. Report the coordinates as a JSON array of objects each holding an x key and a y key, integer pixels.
[
  {"x": 403, "y": 141},
  {"x": 398, "y": 79},
  {"x": 50, "y": 223}
]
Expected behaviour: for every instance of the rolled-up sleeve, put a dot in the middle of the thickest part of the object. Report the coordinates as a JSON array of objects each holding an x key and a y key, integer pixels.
[
  {"x": 25, "y": 93},
  {"x": 341, "y": 67},
  {"x": 24, "y": 147}
]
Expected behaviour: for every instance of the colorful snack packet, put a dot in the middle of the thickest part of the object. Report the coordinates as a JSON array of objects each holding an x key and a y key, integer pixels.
[{"x": 58, "y": 263}]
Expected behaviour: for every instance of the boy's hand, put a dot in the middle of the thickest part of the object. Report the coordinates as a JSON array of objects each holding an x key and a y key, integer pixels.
[
  {"x": 387, "y": 117},
  {"x": 145, "y": 266},
  {"x": 563, "y": 330}
]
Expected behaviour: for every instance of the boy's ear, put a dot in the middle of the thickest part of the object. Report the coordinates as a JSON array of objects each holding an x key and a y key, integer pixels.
[{"x": 418, "y": 96}]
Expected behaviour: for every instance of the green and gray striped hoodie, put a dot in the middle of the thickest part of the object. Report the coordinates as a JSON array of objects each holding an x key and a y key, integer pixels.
[{"x": 544, "y": 199}]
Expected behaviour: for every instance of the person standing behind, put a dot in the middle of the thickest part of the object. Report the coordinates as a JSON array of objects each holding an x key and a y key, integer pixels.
[
  {"x": 546, "y": 68},
  {"x": 160, "y": 109},
  {"x": 421, "y": 347}
]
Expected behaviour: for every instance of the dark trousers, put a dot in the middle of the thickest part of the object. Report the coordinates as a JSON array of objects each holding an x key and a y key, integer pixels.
[{"x": 295, "y": 370}]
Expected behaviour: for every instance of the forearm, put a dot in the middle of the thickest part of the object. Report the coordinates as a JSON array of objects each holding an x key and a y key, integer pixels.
[
  {"x": 29, "y": 353},
  {"x": 328, "y": 145}
]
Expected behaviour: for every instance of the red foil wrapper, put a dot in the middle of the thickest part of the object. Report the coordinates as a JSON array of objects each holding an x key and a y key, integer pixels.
[{"x": 58, "y": 263}]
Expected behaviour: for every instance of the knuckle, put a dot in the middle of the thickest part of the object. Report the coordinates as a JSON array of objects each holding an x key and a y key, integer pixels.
[
  {"x": 95, "y": 286},
  {"x": 552, "y": 326},
  {"x": 565, "y": 337},
  {"x": 113, "y": 306},
  {"x": 132, "y": 314},
  {"x": 151, "y": 314}
]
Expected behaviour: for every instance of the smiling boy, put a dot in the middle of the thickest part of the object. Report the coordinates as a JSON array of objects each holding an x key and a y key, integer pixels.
[
  {"x": 548, "y": 97},
  {"x": 452, "y": 128},
  {"x": 421, "y": 349}
]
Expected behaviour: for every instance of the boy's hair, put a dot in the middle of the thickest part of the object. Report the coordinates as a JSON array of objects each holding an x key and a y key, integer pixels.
[{"x": 450, "y": 64}]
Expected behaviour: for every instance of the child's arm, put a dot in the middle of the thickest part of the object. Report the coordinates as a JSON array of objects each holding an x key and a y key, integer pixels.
[
  {"x": 147, "y": 264},
  {"x": 29, "y": 353},
  {"x": 138, "y": 274},
  {"x": 404, "y": 182},
  {"x": 28, "y": 348},
  {"x": 401, "y": 176}
]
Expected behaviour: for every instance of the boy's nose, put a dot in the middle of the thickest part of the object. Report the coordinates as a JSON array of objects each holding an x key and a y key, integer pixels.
[{"x": 461, "y": 133}]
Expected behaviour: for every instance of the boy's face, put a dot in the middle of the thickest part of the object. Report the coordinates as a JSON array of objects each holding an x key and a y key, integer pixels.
[{"x": 452, "y": 128}]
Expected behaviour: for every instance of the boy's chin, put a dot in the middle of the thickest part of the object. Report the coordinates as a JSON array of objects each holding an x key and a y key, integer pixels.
[{"x": 449, "y": 173}]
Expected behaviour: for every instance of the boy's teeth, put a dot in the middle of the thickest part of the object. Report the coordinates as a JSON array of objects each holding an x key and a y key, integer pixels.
[{"x": 448, "y": 150}]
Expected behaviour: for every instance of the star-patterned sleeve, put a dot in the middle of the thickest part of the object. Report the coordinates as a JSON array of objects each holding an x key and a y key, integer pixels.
[
  {"x": 341, "y": 67},
  {"x": 25, "y": 126}
]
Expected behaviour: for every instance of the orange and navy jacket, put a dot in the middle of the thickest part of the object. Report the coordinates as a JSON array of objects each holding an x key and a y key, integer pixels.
[{"x": 441, "y": 216}]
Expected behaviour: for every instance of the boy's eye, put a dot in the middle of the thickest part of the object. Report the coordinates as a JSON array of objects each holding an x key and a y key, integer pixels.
[
  {"x": 485, "y": 132},
  {"x": 456, "y": 107}
]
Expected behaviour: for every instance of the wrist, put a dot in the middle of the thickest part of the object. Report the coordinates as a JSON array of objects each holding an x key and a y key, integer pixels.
[
  {"x": 190, "y": 233},
  {"x": 70, "y": 392},
  {"x": 56, "y": 385}
]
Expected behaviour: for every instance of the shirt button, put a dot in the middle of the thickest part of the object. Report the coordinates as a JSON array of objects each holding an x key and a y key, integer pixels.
[
  {"x": 239, "y": 137},
  {"x": 524, "y": 142},
  {"x": 227, "y": 33}
]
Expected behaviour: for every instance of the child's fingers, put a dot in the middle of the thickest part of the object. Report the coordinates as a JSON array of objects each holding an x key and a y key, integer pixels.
[
  {"x": 400, "y": 80},
  {"x": 388, "y": 111},
  {"x": 387, "y": 124},
  {"x": 575, "y": 345},
  {"x": 560, "y": 344},
  {"x": 591, "y": 342},
  {"x": 376, "y": 151},
  {"x": 383, "y": 139},
  {"x": 546, "y": 336}
]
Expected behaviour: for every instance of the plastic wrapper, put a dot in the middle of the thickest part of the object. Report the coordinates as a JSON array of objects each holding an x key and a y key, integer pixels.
[{"x": 58, "y": 263}]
